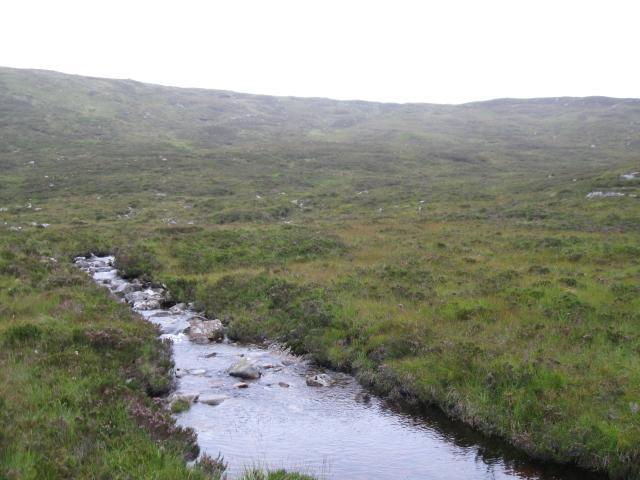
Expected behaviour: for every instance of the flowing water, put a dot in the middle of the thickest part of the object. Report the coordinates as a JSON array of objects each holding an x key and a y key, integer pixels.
[{"x": 334, "y": 432}]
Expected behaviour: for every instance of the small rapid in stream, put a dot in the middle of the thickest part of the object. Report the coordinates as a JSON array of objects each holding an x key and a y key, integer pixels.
[{"x": 334, "y": 432}]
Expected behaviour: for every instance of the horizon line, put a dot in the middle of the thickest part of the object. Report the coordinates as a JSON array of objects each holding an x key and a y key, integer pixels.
[{"x": 317, "y": 97}]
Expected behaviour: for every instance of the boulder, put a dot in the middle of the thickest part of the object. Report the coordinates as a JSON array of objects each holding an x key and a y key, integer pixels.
[
  {"x": 177, "y": 308},
  {"x": 283, "y": 384},
  {"x": 241, "y": 385},
  {"x": 212, "y": 399},
  {"x": 319, "y": 380},
  {"x": 201, "y": 330},
  {"x": 151, "y": 300},
  {"x": 138, "y": 296},
  {"x": 245, "y": 368}
]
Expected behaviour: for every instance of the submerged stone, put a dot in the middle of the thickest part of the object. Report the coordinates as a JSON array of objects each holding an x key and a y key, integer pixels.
[
  {"x": 319, "y": 380},
  {"x": 212, "y": 399}
]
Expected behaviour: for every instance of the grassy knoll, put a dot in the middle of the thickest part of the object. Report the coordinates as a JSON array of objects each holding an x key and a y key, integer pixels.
[{"x": 445, "y": 255}]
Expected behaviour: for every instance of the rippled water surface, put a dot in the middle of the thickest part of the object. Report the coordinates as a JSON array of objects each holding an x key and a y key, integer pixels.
[{"x": 337, "y": 432}]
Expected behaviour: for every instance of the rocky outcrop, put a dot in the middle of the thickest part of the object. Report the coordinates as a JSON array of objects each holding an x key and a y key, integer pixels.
[{"x": 149, "y": 299}]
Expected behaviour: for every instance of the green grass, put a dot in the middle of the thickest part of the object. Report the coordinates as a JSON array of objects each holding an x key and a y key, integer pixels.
[
  {"x": 523, "y": 341},
  {"x": 275, "y": 475},
  {"x": 445, "y": 255},
  {"x": 76, "y": 371}
]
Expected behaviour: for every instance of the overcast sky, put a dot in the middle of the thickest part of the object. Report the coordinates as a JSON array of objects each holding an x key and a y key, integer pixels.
[{"x": 447, "y": 51}]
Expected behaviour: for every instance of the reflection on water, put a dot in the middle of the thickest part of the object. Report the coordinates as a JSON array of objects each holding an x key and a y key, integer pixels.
[{"x": 332, "y": 432}]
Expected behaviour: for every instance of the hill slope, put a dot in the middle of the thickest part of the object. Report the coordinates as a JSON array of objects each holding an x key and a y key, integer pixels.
[{"x": 115, "y": 136}]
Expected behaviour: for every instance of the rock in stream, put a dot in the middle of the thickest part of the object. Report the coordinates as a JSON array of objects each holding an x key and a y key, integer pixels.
[
  {"x": 245, "y": 368},
  {"x": 202, "y": 330}
]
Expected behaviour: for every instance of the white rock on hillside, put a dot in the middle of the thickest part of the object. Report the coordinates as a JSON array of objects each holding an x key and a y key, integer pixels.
[{"x": 604, "y": 194}]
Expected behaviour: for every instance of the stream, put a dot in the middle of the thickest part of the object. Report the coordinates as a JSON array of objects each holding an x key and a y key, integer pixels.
[{"x": 333, "y": 432}]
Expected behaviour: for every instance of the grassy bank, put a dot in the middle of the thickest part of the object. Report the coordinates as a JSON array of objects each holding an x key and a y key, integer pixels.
[
  {"x": 526, "y": 333},
  {"x": 81, "y": 379},
  {"x": 78, "y": 380}
]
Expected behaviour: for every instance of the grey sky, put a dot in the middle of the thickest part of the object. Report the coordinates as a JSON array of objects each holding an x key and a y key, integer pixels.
[{"x": 424, "y": 51}]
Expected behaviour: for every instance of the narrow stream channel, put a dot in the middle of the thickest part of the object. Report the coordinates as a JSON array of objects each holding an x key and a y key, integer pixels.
[{"x": 333, "y": 432}]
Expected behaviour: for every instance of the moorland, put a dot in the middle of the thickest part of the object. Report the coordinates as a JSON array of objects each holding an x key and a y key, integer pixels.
[{"x": 446, "y": 255}]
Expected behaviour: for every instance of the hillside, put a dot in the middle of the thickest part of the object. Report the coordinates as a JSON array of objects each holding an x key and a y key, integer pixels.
[
  {"x": 113, "y": 137},
  {"x": 445, "y": 254}
]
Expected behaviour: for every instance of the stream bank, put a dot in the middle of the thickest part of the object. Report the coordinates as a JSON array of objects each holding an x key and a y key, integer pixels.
[{"x": 296, "y": 416}]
